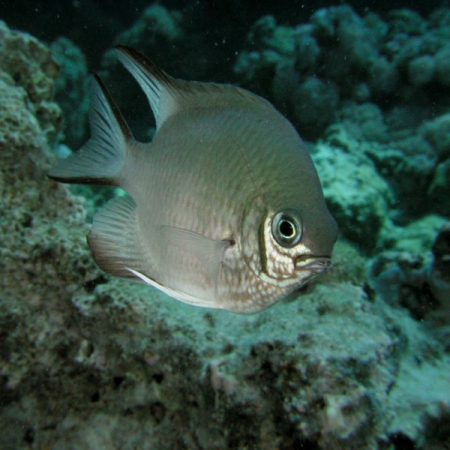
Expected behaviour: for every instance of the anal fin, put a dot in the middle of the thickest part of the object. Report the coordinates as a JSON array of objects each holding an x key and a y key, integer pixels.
[
  {"x": 176, "y": 294},
  {"x": 114, "y": 238}
]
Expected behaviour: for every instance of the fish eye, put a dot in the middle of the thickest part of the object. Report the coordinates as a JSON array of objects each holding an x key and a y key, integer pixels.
[{"x": 287, "y": 227}]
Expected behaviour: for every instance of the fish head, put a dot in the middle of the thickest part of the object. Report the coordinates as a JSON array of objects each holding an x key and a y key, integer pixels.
[{"x": 291, "y": 243}]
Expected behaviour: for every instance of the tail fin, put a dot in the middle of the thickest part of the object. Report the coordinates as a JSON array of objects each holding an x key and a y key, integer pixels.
[{"x": 101, "y": 159}]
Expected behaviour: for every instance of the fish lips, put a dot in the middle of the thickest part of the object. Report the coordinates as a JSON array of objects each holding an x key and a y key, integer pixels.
[{"x": 311, "y": 263}]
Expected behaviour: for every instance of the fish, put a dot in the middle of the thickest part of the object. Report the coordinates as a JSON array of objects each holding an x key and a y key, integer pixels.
[{"x": 223, "y": 208}]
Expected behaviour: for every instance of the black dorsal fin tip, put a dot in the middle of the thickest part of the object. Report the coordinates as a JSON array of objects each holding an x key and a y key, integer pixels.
[
  {"x": 149, "y": 65},
  {"x": 114, "y": 108}
]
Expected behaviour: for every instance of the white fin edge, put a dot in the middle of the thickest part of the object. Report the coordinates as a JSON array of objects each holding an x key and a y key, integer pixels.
[
  {"x": 178, "y": 295},
  {"x": 114, "y": 238}
]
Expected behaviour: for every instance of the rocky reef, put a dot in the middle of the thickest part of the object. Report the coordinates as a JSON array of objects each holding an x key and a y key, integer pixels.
[{"x": 358, "y": 360}]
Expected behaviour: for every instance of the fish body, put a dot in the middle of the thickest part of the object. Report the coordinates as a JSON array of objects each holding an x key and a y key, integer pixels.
[{"x": 224, "y": 206}]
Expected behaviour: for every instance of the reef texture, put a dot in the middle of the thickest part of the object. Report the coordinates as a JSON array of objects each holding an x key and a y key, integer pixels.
[
  {"x": 88, "y": 361},
  {"x": 378, "y": 87}
]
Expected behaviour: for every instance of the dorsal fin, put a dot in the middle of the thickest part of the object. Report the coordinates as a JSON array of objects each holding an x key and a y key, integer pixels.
[
  {"x": 167, "y": 95},
  {"x": 161, "y": 89}
]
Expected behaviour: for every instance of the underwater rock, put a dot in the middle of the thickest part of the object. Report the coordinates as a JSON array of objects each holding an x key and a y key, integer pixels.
[
  {"x": 358, "y": 197},
  {"x": 363, "y": 122},
  {"x": 400, "y": 279},
  {"x": 443, "y": 65},
  {"x": 406, "y": 160},
  {"x": 421, "y": 70},
  {"x": 265, "y": 34},
  {"x": 437, "y": 133},
  {"x": 306, "y": 48},
  {"x": 407, "y": 165},
  {"x": 439, "y": 278},
  {"x": 415, "y": 278},
  {"x": 402, "y": 59},
  {"x": 406, "y": 21},
  {"x": 156, "y": 27},
  {"x": 28, "y": 64},
  {"x": 439, "y": 189},
  {"x": 314, "y": 103},
  {"x": 416, "y": 237},
  {"x": 29, "y": 119},
  {"x": 91, "y": 362}
]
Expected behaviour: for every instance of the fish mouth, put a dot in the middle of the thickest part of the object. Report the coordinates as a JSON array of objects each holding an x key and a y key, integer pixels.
[{"x": 315, "y": 264}]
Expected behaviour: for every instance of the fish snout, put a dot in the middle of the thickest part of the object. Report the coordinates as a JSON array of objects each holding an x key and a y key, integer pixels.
[{"x": 315, "y": 264}]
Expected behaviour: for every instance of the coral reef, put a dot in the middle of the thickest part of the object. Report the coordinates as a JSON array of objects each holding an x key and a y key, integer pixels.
[
  {"x": 156, "y": 29},
  {"x": 356, "y": 194},
  {"x": 383, "y": 82},
  {"x": 416, "y": 280},
  {"x": 28, "y": 64},
  {"x": 351, "y": 362},
  {"x": 358, "y": 59},
  {"x": 439, "y": 277}
]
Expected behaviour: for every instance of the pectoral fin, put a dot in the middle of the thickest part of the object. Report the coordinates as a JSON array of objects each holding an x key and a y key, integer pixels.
[{"x": 206, "y": 250}]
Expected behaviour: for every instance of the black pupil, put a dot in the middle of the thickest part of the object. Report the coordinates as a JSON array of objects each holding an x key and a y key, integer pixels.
[{"x": 286, "y": 228}]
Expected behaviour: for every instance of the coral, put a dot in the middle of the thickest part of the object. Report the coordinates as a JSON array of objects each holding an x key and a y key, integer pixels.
[
  {"x": 156, "y": 23},
  {"x": 29, "y": 119},
  {"x": 326, "y": 61},
  {"x": 415, "y": 277},
  {"x": 27, "y": 63},
  {"x": 443, "y": 66},
  {"x": 408, "y": 165},
  {"x": 91, "y": 362},
  {"x": 400, "y": 279},
  {"x": 157, "y": 31},
  {"x": 314, "y": 103},
  {"x": 407, "y": 161},
  {"x": 349, "y": 265},
  {"x": 421, "y": 70},
  {"x": 357, "y": 196},
  {"x": 430, "y": 405},
  {"x": 416, "y": 237},
  {"x": 306, "y": 49},
  {"x": 339, "y": 59},
  {"x": 437, "y": 133},
  {"x": 363, "y": 122},
  {"x": 439, "y": 277},
  {"x": 406, "y": 21},
  {"x": 266, "y": 34},
  {"x": 439, "y": 189}
]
